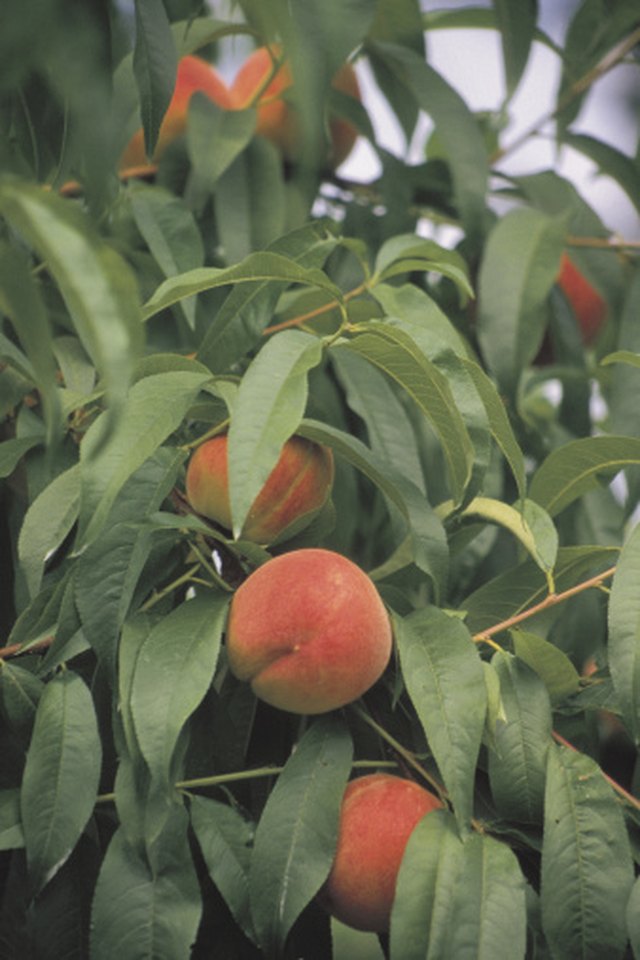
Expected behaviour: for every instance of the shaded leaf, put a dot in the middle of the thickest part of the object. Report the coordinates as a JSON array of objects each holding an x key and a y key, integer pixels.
[
  {"x": 554, "y": 668},
  {"x": 46, "y": 524},
  {"x": 587, "y": 871},
  {"x": 516, "y": 22},
  {"x": 296, "y": 835},
  {"x": 155, "y": 63},
  {"x": 624, "y": 629},
  {"x": 444, "y": 679},
  {"x": 61, "y": 775}
]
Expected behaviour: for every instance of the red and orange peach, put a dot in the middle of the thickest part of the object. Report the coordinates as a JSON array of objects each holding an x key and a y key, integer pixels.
[
  {"x": 309, "y": 631},
  {"x": 296, "y": 489},
  {"x": 264, "y": 83},
  {"x": 378, "y": 815},
  {"x": 193, "y": 74}
]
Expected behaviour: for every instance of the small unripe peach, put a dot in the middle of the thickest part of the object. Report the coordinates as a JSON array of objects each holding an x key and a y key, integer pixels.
[
  {"x": 193, "y": 74},
  {"x": 378, "y": 815},
  {"x": 587, "y": 304},
  {"x": 309, "y": 631},
  {"x": 276, "y": 116},
  {"x": 296, "y": 489}
]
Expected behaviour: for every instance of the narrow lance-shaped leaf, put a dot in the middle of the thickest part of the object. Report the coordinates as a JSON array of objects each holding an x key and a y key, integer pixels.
[
  {"x": 454, "y": 898},
  {"x": 61, "y": 775},
  {"x": 518, "y": 758},
  {"x": 526, "y": 521},
  {"x": 261, "y": 266},
  {"x": 21, "y": 299},
  {"x": 517, "y": 24},
  {"x": 155, "y": 408},
  {"x": 98, "y": 287},
  {"x": 296, "y": 835},
  {"x": 225, "y": 840},
  {"x": 154, "y": 65},
  {"x": 456, "y": 126},
  {"x": 407, "y": 252},
  {"x": 144, "y": 914},
  {"x": 587, "y": 870},
  {"x": 394, "y": 352},
  {"x": 575, "y": 467},
  {"x": 512, "y": 303},
  {"x": 624, "y": 631},
  {"x": 552, "y": 665},
  {"x": 173, "y": 671},
  {"x": 47, "y": 522},
  {"x": 268, "y": 408},
  {"x": 428, "y": 545},
  {"x": 444, "y": 679}
]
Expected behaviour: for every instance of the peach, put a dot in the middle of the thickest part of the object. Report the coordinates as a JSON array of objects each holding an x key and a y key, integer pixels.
[
  {"x": 378, "y": 815},
  {"x": 296, "y": 489},
  {"x": 587, "y": 304},
  {"x": 193, "y": 74},
  {"x": 277, "y": 119},
  {"x": 309, "y": 631}
]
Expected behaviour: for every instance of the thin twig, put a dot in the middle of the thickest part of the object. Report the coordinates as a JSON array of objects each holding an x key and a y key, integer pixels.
[{"x": 626, "y": 796}]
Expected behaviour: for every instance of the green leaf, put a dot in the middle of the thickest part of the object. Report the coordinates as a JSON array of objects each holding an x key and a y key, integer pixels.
[
  {"x": 20, "y": 691},
  {"x": 407, "y": 253},
  {"x": 173, "y": 671},
  {"x": 621, "y": 168},
  {"x": 170, "y": 231},
  {"x": 46, "y": 524},
  {"x": 296, "y": 835},
  {"x": 512, "y": 302},
  {"x": 499, "y": 424},
  {"x": 225, "y": 840},
  {"x": 394, "y": 352},
  {"x": 215, "y": 137},
  {"x": 624, "y": 630},
  {"x": 155, "y": 63},
  {"x": 108, "y": 571},
  {"x": 554, "y": 668},
  {"x": 456, "y": 126},
  {"x": 454, "y": 898},
  {"x": 427, "y": 538},
  {"x": 421, "y": 317},
  {"x": 61, "y": 775},
  {"x": 11, "y": 835},
  {"x": 587, "y": 870},
  {"x": 526, "y": 521},
  {"x": 444, "y": 679},
  {"x": 633, "y": 918},
  {"x": 22, "y": 300},
  {"x": 576, "y": 466},
  {"x": 269, "y": 406},
  {"x": 621, "y": 356},
  {"x": 261, "y": 266},
  {"x": 251, "y": 200},
  {"x": 12, "y": 452},
  {"x": 99, "y": 288},
  {"x": 516, "y": 22},
  {"x": 141, "y": 913},
  {"x": 155, "y": 408},
  {"x": 518, "y": 758},
  {"x": 248, "y": 308}
]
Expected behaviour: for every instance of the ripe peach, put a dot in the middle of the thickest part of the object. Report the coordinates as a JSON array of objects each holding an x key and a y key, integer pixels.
[
  {"x": 378, "y": 815},
  {"x": 193, "y": 74},
  {"x": 296, "y": 489},
  {"x": 587, "y": 304},
  {"x": 309, "y": 631},
  {"x": 277, "y": 119}
]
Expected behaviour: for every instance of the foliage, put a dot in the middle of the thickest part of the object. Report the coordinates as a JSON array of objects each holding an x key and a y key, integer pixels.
[{"x": 149, "y": 805}]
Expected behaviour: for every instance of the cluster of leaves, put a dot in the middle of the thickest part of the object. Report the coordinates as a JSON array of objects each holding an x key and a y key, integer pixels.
[{"x": 149, "y": 806}]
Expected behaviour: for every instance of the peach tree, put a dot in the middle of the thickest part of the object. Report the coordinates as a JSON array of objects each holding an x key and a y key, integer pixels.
[{"x": 417, "y": 324}]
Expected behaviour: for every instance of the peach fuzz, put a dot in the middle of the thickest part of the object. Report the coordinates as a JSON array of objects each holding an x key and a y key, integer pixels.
[
  {"x": 587, "y": 304},
  {"x": 296, "y": 489},
  {"x": 309, "y": 631},
  {"x": 378, "y": 815},
  {"x": 193, "y": 74},
  {"x": 276, "y": 118}
]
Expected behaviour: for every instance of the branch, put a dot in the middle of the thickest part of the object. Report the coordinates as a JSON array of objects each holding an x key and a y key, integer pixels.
[{"x": 550, "y": 601}]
